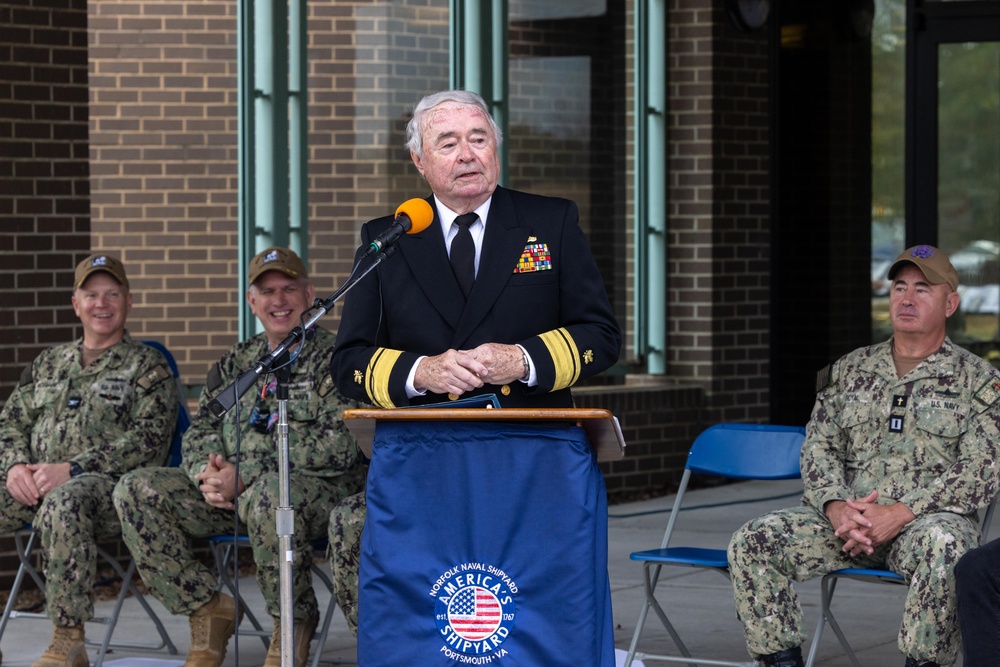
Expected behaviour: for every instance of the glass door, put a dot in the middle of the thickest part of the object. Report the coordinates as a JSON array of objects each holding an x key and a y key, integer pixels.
[{"x": 953, "y": 154}]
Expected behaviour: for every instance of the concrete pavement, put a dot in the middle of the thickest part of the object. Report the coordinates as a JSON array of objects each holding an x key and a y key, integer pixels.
[{"x": 699, "y": 602}]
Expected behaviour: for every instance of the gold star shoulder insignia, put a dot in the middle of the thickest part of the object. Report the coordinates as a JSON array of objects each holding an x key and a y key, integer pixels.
[
  {"x": 588, "y": 357},
  {"x": 359, "y": 377}
]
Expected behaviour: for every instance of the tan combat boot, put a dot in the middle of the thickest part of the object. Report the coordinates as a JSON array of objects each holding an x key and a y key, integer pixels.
[
  {"x": 302, "y": 635},
  {"x": 66, "y": 650},
  {"x": 211, "y": 627}
]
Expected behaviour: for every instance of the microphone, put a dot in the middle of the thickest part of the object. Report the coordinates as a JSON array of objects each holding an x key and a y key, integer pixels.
[{"x": 412, "y": 217}]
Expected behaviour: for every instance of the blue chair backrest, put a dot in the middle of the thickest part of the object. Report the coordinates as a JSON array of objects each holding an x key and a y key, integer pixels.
[
  {"x": 183, "y": 418},
  {"x": 748, "y": 451}
]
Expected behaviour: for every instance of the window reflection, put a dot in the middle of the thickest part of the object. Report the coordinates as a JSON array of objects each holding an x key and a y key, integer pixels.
[{"x": 969, "y": 186}]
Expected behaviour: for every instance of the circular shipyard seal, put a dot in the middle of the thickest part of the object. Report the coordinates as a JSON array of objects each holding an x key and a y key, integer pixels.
[{"x": 475, "y": 610}]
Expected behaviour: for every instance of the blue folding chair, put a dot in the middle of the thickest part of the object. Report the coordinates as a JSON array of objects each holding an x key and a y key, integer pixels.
[
  {"x": 734, "y": 451},
  {"x": 25, "y": 540},
  {"x": 183, "y": 416},
  {"x": 869, "y": 576}
]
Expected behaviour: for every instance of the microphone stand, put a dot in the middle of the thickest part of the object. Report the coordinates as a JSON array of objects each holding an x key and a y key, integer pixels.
[
  {"x": 284, "y": 518},
  {"x": 285, "y": 513}
]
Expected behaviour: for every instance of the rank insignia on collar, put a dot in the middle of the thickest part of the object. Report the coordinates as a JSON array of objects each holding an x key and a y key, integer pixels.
[
  {"x": 588, "y": 357},
  {"x": 359, "y": 377}
]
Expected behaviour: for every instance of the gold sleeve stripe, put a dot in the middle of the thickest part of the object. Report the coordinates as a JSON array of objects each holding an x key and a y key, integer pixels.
[
  {"x": 565, "y": 357},
  {"x": 379, "y": 369}
]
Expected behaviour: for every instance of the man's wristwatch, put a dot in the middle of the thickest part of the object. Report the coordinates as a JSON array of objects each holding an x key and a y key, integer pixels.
[{"x": 74, "y": 469}]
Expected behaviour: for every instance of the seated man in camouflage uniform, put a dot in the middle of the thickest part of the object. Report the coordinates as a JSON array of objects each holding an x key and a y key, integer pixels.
[
  {"x": 347, "y": 521},
  {"x": 83, "y": 414},
  {"x": 900, "y": 452},
  {"x": 162, "y": 508}
]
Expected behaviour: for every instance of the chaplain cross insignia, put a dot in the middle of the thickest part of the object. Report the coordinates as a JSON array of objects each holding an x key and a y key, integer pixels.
[
  {"x": 358, "y": 377},
  {"x": 588, "y": 357}
]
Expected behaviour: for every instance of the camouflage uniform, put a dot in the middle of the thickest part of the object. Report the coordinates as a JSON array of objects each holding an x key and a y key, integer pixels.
[
  {"x": 112, "y": 416},
  {"x": 161, "y": 508},
  {"x": 928, "y": 440},
  {"x": 347, "y": 520}
]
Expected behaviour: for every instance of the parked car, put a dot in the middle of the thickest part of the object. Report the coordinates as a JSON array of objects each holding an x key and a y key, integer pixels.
[{"x": 978, "y": 263}]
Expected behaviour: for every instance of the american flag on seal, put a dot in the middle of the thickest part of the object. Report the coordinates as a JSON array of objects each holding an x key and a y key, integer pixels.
[{"x": 474, "y": 613}]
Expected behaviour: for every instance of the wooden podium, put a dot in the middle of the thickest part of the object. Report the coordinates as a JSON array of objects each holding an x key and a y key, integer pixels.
[
  {"x": 485, "y": 539},
  {"x": 602, "y": 427}
]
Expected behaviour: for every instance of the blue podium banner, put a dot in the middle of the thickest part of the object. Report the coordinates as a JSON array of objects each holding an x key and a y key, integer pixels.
[{"x": 485, "y": 543}]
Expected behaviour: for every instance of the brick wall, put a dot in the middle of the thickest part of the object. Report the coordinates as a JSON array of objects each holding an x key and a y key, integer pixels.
[
  {"x": 718, "y": 202},
  {"x": 163, "y": 165},
  {"x": 44, "y": 212}
]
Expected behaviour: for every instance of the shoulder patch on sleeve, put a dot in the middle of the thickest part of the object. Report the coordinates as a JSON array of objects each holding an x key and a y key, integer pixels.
[
  {"x": 823, "y": 378},
  {"x": 989, "y": 392},
  {"x": 154, "y": 377},
  {"x": 214, "y": 379}
]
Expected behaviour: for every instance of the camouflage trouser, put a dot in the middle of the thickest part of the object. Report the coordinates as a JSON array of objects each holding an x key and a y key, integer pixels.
[
  {"x": 161, "y": 509},
  {"x": 798, "y": 544},
  {"x": 346, "y": 522},
  {"x": 70, "y": 521}
]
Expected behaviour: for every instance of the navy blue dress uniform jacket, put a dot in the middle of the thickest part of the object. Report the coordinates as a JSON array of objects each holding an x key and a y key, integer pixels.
[{"x": 537, "y": 286}]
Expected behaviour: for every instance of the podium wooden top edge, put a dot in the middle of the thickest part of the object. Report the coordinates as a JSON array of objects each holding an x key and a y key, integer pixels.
[
  {"x": 601, "y": 426},
  {"x": 477, "y": 414}
]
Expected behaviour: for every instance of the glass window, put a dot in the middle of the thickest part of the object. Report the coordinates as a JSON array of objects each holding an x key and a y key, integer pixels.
[
  {"x": 969, "y": 185},
  {"x": 566, "y": 133}
]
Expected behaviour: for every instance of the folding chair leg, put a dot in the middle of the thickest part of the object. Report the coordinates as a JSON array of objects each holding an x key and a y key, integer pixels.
[
  {"x": 631, "y": 655},
  {"x": 111, "y": 621},
  {"x": 327, "y": 616},
  {"x": 827, "y": 588},
  {"x": 23, "y": 554},
  {"x": 814, "y": 645},
  {"x": 821, "y": 625},
  {"x": 651, "y": 576}
]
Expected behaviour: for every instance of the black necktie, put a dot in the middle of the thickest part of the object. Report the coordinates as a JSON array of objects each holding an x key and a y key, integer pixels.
[{"x": 463, "y": 253}]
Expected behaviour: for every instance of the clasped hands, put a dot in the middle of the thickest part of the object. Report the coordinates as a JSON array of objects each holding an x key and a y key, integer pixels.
[
  {"x": 865, "y": 525},
  {"x": 28, "y": 483},
  {"x": 218, "y": 483},
  {"x": 459, "y": 371}
]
